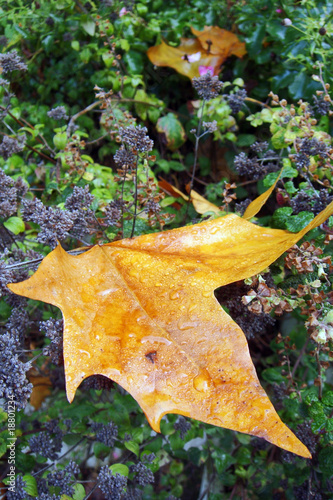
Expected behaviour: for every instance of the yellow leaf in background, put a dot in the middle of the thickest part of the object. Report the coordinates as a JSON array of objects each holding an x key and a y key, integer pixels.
[
  {"x": 259, "y": 202},
  {"x": 186, "y": 58},
  {"x": 200, "y": 203}
]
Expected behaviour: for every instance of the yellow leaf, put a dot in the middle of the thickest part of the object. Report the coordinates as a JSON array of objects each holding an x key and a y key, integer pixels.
[
  {"x": 186, "y": 58},
  {"x": 259, "y": 202},
  {"x": 142, "y": 312}
]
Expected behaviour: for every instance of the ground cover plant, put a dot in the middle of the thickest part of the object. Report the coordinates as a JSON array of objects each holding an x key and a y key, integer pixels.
[{"x": 99, "y": 147}]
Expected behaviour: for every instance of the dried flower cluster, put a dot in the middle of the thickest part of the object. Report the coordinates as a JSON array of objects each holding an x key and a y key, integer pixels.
[
  {"x": 207, "y": 86},
  {"x": 11, "y": 61},
  {"x": 10, "y": 145}
]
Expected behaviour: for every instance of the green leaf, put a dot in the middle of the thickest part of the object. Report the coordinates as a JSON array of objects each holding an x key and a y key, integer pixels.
[
  {"x": 134, "y": 62},
  {"x": 133, "y": 447},
  {"x": 273, "y": 375},
  {"x": 328, "y": 399},
  {"x": 140, "y": 108},
  {"x": 89, "y": 26},
  {"x": 79, "y": 492},
  {"x": 243, "y": 456},
  {"x": 14, "y": 225},
  {"x": 31, "y": 485},
  {"x": 223, "y": 462},
  {"x": 173, "y": 130},
  {"x": 290, "y": 188},
  {"x": 296, "y": 223},
  {"x": 107, "y": 59},
  {"x": 101, "y": 450},
  {"x": 278, "y": 141},
  {"x": 120, "y": 469},
  {"x": 75, "y": 45},
  {"x": 280, "y": 217},
  {"x": 60, "y": 140},
  {"x": 326, "y": 461},
  {"x": 245, "y": 140},
  {"x": 329, "y": 425},
  {"x": 124, "y": 44}
]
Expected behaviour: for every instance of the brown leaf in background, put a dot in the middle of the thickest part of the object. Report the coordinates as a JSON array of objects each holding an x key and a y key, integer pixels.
[{"x": 219, "y": 41}]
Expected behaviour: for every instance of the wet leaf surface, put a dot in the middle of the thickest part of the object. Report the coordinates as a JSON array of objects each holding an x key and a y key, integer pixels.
[{"x": 142, "y": 312}]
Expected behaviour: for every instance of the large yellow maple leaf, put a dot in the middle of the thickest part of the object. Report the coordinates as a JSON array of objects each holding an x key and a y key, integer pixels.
[{"x": 142, "y": 312}]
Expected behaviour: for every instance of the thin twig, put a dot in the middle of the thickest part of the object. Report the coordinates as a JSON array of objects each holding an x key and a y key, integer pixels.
[
  {"x": 77, "y": 251},
  {"x": 320, "y": 395},
  {"x": 135, "y": 195}
]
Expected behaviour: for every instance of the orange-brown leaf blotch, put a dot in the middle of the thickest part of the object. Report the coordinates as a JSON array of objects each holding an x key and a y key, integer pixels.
[
  {"x": 142, "y": 312},
  {"x": 219, "y": 41}
]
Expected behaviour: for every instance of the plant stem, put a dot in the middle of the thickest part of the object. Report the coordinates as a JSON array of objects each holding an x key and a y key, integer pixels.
[
  {"x": 196, "y": 149},
  {"x": 320, "y": 395},
  {"x": 135, "y": 195}
]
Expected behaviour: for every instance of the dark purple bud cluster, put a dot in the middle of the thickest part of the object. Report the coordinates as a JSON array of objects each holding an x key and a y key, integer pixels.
[
  {"x": 54, "y": 331},
  {"x": 207, "y": 86},
  {"x": 10, "y": 193},
  {"x": 236, "y": 100},
  {"x": 14, "y": 384},
  {"x": 306, "y": 201},
  {"x": 105, "y": 433},
  {"x": 320, "y": 105},
  {"x": 183, "y": 426},
  {"x": 58, "y": 113},
  {"x": 64, "y": 478},
  {"x": 307, "y": 148},
  {"x": 54, "y": 223},
  {"x": 125, "y": 158},
  {"x": 19, "y": 492},
  {"x": 113, "y": 212},
  {"x": 136, "y": 138},
  {"x": 112, "y": 485},
  {"x": 11, "y": 61},
  {"x": 47, "y": 443},
  {"x": 10, "y": 146},
  {"x": 142, "y": 475}
]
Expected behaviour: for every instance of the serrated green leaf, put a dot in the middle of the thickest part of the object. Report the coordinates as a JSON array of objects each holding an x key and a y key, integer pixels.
[
  {"x": 326, "y": 461},
  {"x": 280, "y": 217},
  {"x": 290, "y": 188},
  {"x": 328, "y": 399},
  {"x": 296, "y": 223}
]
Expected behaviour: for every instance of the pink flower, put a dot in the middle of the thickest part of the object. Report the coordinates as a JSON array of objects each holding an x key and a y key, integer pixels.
[
  {"x": 123, "y": 12},
  {"x": 204, "y": 69},
  {"x": 278, "y": 11}
]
